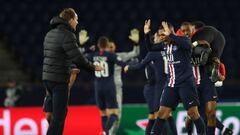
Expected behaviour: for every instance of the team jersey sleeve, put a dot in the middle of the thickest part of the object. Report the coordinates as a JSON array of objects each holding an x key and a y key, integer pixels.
[
  {"x": 152, "y": 47},
  {"x": 149, "y": 57},
  {"x": 158, "y": 47},
  {"x": 125, "y": 56},
  {"x": 182, "y": 41},
  {"x": 148, "y": 42}
]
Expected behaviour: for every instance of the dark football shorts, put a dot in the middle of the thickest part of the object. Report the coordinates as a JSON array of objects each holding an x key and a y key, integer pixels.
[
  {"x": 186, "y": 92},
  {"x": 105, "y": 94}
]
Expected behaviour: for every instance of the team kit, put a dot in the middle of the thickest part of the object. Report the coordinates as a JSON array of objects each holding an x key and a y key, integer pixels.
[{"x": 182, "y": 66}]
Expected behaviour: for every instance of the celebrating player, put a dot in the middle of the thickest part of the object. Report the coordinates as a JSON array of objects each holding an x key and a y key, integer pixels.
[
  {"x": 153, "y": 91},
  {"x": 202, "y": 61},
  {"x": 180, "y": 81},
  {"x": 125, "y": 56},
  {"x": 105, "y": 90}
]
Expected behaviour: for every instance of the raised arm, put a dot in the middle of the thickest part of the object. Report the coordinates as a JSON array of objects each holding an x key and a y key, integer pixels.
[
  {"x": 134, "y": 37},
  {"x": 149, "y": 57},
  {"x": 125, "y": 56},
  {"x": 147, "y": 34},
  {"x": 182, "y": 41},
  {"x": 148, "y": 42},
  {"x": 118, "y": 60}
]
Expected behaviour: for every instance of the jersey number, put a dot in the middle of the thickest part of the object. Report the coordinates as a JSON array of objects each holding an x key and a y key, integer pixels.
[{"x": 104, "y": 72}]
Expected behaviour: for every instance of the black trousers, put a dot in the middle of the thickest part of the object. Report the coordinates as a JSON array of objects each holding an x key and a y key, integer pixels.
[{"x": 59, "y": 95}]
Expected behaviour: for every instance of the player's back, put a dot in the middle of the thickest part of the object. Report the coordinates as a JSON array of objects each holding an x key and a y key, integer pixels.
[{"x": 107, "y": 61}]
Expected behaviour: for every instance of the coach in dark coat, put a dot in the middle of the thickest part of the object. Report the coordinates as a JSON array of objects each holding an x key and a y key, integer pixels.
[{"x": 60, "y": 51}]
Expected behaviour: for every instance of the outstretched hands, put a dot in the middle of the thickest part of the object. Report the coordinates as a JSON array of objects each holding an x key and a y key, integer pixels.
[
  {"x": 166, "y": 28},
  {"x": 134, "y": 35},
  {"x": 83, "y": 37}
]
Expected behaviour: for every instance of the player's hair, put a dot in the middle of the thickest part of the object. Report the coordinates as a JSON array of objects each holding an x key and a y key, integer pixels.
[
  {"x": 67, "y": 14},
  {"x": 170, "y": 27},
  {"x": 103, "y": 42},
  {"x": 198, "y": 24},
  {"x": 185, "y": 23}
]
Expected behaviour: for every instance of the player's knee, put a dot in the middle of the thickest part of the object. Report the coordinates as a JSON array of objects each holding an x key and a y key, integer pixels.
[
  {"x": 103, "y": 112},
  {"x": 164, "y": 113},
  {"x": 188, "y": 121},
  {"x": 151, "y": 116},
  {"x": 211, "y": 113},
  {"x": 49, "y": 117},
  {"x": 193, "y": 113},
  {"x": 113, "y": 111}
]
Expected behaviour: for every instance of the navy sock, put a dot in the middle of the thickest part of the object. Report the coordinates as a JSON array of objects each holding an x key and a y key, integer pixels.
[
  {"x": 201, "y": 129},
  {"x": 111, "y": 120},
  {"x": 189, "y": 128},
  {"x": 165, "y": 129},
  {"x": 104, "y": 121},
  {"x": 172, "y": 125},
  {"x": 158, "y": 126},
  {"x": 149, "y": 126},
  {"x": 210, "y": 130},
  {"x": 219, "y": 125}
]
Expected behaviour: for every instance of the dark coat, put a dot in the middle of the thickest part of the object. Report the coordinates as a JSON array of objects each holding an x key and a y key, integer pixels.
[{"x": 60, "y": 51}]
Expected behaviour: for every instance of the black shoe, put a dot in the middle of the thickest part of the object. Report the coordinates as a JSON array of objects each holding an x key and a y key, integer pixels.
[
  {"x": 215, "y": 73},
  {"x": 227, "y": 131}
]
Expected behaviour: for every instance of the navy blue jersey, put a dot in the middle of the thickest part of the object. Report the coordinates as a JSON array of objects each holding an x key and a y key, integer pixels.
[
  {"x": 107, "y": 61},
  {"x": 178, "y": 54},
  {"x": 155, "y": 59},
  {"x": 150, "y": 74}
]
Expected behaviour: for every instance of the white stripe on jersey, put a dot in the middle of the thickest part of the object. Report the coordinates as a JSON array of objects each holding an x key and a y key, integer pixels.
[
  {"x": 171, "y": 66},
  {"x": 196, "y": 73},
  {"x": 165, "y": 64},
  {"x": 146, "y": 73}
]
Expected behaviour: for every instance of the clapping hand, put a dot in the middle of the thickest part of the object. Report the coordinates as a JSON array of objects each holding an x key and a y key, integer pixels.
[
  {"x": 147, "y": 26},
  {"x": 167, "y": 30}
]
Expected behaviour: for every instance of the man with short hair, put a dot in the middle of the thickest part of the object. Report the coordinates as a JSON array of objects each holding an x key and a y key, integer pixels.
[
  {"x": 202, "y": 67},
  {"x": 60, "y": 51},
  {"x": 180, "y": 81},
  {"x": 104, "y": 85},
  {"x": 155, "y": 64}
]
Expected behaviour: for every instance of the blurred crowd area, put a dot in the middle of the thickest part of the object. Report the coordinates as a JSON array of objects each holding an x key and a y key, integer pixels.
[{"x": 24, "y": 24}]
